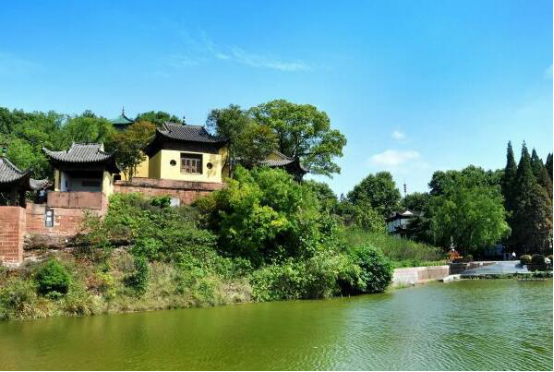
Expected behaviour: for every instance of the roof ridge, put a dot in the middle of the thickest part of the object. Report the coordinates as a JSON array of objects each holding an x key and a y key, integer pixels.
[{"x": 11, "y": 165}]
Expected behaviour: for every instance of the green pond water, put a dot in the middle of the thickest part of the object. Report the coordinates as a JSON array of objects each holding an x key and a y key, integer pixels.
[{"x": 487, "y": 324}]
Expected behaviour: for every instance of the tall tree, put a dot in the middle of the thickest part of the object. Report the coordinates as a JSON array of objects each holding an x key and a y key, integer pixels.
[
  {"x": 416, "y": 201},
  {"x": 158, "y": 117},
  {"x": 379, "y": 191},
  {"x": 249, "y": 143},
  {"x": 509, "y": 179},
  {"x": 549, "y": 165},
  {"x": 532, "y": 222},
  {"x": 540, "y": 173},
  {"x": 129, "y": 146},
  {"x": 472, "y": 218},
  {"x": 303, "y": 133},
  {"x": 85, "y": 129}
]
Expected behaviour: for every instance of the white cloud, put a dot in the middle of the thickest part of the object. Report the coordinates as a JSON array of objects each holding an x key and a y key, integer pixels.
[
  {"x": 398, "y": 135},
  {"x": 548, "y": 72},
  {"x": 394, "y": 158},
  {"x": 203, "y": 48}
]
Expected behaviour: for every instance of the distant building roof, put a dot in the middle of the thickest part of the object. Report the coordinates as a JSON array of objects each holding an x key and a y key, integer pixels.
[
  {"x": 186, "y": 132},
  {"x": 122, "y": 121},
  {"x": 281, "y": 161},
  {"x": 405, "y": 214}
]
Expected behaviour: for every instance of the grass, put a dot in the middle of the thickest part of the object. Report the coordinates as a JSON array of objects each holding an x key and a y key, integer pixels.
[
  {"x": 100, "y": 288},
  {"x": 402, "y": 252}
]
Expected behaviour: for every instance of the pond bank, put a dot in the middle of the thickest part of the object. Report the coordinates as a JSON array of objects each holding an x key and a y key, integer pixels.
[{"x": 430, "y": 327}]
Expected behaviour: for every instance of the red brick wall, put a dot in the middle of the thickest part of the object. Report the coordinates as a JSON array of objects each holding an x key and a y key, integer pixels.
[
  {"x": 186, "y": 191},
  {"x": 67, "y": 221},
  {"x": 12, "y": 230}
]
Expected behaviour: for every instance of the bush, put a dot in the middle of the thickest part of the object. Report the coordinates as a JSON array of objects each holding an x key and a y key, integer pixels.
[
  {"x": 525, "y": 259},
  {"x": 17, "y": 298},
  {"x": 265, "y": 216},
  {"x": 376, "y": 270},
  {"x": 537, "y": 259},
  {"x": 53, "y": 279},
  {"x": 138, "y": 280}
]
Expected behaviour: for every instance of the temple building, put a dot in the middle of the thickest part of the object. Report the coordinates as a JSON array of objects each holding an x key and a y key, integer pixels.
[
  {"x": 184, "y": 152},
  {"x": 85, "y": 167},
  {"x": 397, "y": 223},
  {"x": 14, "y": 183}
]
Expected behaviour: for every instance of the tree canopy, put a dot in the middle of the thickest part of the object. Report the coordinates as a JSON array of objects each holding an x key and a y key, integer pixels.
[{"x": 378, "y": 191}]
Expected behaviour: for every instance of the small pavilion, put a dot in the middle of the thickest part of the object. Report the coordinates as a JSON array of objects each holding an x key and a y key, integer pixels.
[
  {"x": 84, "y": 167},
  {"x": 14, "y": 183}
]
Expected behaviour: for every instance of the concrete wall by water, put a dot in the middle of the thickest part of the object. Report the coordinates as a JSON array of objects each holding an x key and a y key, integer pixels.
[{"x": 418, "y": 275}]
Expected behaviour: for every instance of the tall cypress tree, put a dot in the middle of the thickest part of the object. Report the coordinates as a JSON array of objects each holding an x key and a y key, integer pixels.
[
  {"x": 549, "y": 165},
  {"x": 540, "y": 173},
  {"x": 508, "y": 182},
  {"x": 508, "y": 189},
  {"x": 532, "y": 219}
]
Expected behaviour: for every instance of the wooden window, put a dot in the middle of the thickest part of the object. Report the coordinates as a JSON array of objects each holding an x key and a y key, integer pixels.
[{"x": 191, "y": 163}]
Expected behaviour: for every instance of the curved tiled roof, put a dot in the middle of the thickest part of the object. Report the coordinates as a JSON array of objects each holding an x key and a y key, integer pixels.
[
  {"x": 186, "y": 132},
  {"x": 80, "y": 153},
  {"x": 9, "y": 172},
  {"x": 282, "y": 161}
]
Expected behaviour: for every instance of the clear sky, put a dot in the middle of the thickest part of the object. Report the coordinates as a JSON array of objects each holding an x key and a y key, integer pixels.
[{"x": 415, "y": 86}]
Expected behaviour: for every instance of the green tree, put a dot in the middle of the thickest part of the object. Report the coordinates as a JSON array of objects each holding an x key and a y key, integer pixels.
[
  {"x": 470, "y": 176},
  {"x": 509, "y": 179},
  {"x": 265, "y": 216},
  {"x": 378, "y": 191},
  {"x": 129, "y": 146},
  {"x": 532, "y": 222},
  {"x": 549, "y": 165},
  {"x": 255, "y": 144},
  {"x": 304, "y": 133},
  {"x": 248, "y": 143},
  {"x": 85, "y": 129},
  {"x": 361, "y": 215},
  {"x": 327, "y": 198},
  {"x": 541, "y": 174},
  {"x": 158, "y": 117},
  {"x": 416, "y": 201},
  {"x": 473, "y": 218}
]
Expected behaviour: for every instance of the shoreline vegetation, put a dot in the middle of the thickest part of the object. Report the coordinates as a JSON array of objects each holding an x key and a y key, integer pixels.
[{"x": 263, "y": 238}]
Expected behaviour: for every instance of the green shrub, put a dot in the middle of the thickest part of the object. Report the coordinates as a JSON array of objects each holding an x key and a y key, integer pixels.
[
  {"x": 53, "y": 279},
  {"x": 278, "y": 282},
  {"x": 265, "y": 216},
  {"x": 537, "y": 259},
  {"x": 376, "y": 269},
  {"x": 138, "y": 279},
  {"x": 17, "y": 298},
  {"x": 163, "y": 201},
  {"x": 525, "y": 259}
]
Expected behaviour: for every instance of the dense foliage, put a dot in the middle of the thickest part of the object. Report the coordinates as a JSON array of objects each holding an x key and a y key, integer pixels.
[
  {"x": 298, "y": 131},
  {"x": 53, "y": 279}
]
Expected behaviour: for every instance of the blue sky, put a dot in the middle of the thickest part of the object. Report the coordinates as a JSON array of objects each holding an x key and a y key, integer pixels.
[{"x": 416, "y": 86}]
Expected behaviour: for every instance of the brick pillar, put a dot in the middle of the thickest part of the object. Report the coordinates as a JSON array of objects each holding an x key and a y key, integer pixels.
[{"x": 12, "y": 230}]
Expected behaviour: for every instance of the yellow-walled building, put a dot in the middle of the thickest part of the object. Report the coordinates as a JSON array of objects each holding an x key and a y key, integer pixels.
[{"x": 184, "y": 152}]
